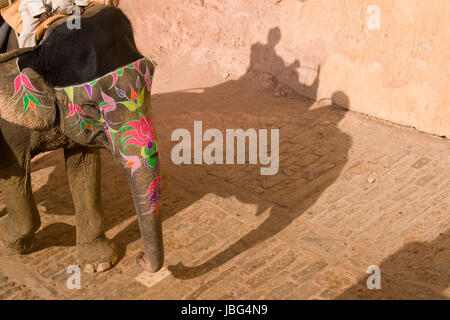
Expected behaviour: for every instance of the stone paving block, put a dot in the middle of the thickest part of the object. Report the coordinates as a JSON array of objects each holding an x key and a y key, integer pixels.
[
  {"x": 309, "y": 271},
  {"x": 305, "y": 291},
  {"x": 218, "y": 281},
  {"x": 281, "y": 292},
  {"x": 273, "y": 268},
  {"x": 202, "y": 243},
  {"x": 259, "y": 261}
]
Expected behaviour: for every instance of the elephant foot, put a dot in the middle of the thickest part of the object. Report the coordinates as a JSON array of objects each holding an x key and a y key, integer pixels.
[
  {"x": 20, "y": 246},
  {"x": 15, "y": 244},
  {"x": 97, "y": 256}
]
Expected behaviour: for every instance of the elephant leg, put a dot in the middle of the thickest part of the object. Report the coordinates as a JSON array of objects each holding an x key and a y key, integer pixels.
[
  {"x": 17, "y": 228},
  {"x": 95, "y": 252}
]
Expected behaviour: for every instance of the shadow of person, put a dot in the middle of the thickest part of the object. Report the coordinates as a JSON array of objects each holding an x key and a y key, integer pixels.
[
  {"x": 419, "y": 270},
  {"x": 264, "y": 59}
]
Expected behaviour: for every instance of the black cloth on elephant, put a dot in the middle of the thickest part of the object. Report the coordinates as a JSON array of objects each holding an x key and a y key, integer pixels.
[
  {"x": 69, "y": 56},
  {"x": 8, "y": 39}
]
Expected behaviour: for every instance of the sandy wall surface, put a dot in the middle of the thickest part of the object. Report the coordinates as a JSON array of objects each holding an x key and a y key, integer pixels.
[{"x": 393, "y": 65}]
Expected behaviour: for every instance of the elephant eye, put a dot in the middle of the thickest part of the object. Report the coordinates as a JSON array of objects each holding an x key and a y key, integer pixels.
[{"x": 92, "y": 110}]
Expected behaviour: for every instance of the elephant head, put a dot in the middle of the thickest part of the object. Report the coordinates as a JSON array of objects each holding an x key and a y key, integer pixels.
[{"x": 108, "y": 107}]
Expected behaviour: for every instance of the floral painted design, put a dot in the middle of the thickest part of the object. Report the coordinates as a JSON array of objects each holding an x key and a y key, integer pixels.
[
  {"x": 135, "y": 100},
  {"x": 141, "y": 134},
  {"x": 136, "y": 138},
  {"x": 24, "y": 89},
  {"x": 133, "y": 162},
  {"x": 153, "y": 190},
  {"x": 148, "y": 78},
  {"x": 154, "y": 193},
  {"x": 106, "y": 106},
  {"x": 88, "y": 87},
  {"x": 116, "y": 75},
  {"x": 75, "y": 110}
]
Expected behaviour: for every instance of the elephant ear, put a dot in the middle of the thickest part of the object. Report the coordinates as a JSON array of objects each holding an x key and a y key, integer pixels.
[{"x": 25, "y": 98}]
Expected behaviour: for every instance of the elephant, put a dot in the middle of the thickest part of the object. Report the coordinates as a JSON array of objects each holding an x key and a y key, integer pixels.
[{"x": 81, "y": 89}]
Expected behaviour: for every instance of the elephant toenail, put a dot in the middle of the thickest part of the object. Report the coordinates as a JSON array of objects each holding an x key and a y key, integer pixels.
[
  {"x": 103, "y": 266},
  {"x": 89, "y": 268}
]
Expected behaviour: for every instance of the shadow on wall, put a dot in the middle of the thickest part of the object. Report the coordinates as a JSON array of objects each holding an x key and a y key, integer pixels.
[
  {"x": 264, "y": 58},
  {"x": 404, "y": 273},
  {"x": 313, "y": 151}
]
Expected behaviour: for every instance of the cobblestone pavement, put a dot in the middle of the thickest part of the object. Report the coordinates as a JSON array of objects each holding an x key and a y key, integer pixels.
[{"x": 351, "y": 192}]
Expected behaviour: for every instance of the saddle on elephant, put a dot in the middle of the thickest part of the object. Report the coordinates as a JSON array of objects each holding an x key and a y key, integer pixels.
[{"x": 12, "y": 16}]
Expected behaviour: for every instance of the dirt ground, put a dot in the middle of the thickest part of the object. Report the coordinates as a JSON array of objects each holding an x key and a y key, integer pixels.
[{"x": 351, "y": 192}]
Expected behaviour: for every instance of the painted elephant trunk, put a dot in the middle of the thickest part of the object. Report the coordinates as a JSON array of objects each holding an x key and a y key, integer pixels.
[
  {"x": 135, "y": 149},
  {"x": 147, "y": 204},
  {"x": 152, "y": 259},
  {"x": 142, "y": 169}
]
